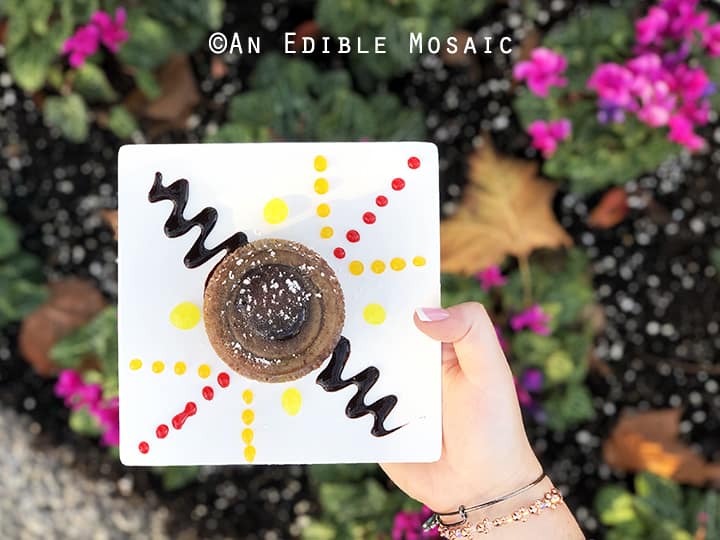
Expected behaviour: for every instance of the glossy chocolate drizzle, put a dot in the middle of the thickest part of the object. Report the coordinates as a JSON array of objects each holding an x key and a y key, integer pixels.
[
  {"x": 331, "y": 381},
  {"x": 176, "y": 224}
]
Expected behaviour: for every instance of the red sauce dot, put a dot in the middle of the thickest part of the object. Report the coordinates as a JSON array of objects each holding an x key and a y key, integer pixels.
[
  {"x": 162, "y": 431},
  {"x": 144, "y": 447},
  {"x": 353, "y": 236},
  {"x": 398, "y": 184},
  {"x": 339, "y": 253},
  {"x": 369, "y": 218},
  {"x": 413, "y": 162},
  {"x": 223, "y": 379},
  {"x": 208, "y": 393},
  {"x": 190, "y": 408},
  {"x": 381, "y": 201}
]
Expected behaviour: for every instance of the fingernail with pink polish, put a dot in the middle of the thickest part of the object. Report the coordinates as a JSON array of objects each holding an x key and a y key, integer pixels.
[{"x": 431, "y": 314}]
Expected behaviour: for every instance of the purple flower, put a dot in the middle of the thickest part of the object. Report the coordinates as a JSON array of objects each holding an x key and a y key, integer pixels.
[
  {"x": 101, "y": 29},
  {"x": 532, "y": 380},
  {"x": 83, "y": 43},
  {"x": 112, "y": 32},
  {"x": 533, "y": 318},
  {"x": 408, "y": 525},
  {"x": 547, "y": 135},
  {"x": 610, "y": 112},
  {"x": 491, "y": 277},
  {"x": 543, "y": 70},
  {"x": 612, "y": 82}
]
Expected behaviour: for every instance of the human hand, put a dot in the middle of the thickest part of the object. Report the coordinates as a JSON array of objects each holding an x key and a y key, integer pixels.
[{"x": 485, "y": 452}]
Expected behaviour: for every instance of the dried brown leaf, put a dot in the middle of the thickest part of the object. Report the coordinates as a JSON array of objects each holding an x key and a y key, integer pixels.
[
  {"x": 506, "y": 210},
  {"x": 72, "y": 303},
  {"x": 111, "y": 218},
  {"x": 649, "y": 441},
  {"x": 611, "y": 210}
]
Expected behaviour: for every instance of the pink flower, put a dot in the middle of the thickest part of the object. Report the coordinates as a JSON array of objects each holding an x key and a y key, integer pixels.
[
  {"x": 491, "y": 277},
  {"x": 681, "y": 132},
  {"x": 543, "y": 70},
  {"x": 711, "y": 39},
  {"x": 691, "y": 83},
  {"x": 651, "y": 28},
  {"x": 683, "y": 20},
  {"x": 547, "y": 135},
  {"x": 83, "y": 43},
  {"x": 657, "y": 102},
  {"x": 102, "y": 28},
  {"x": 612, "y": 83},
  {"x": 69, "y": 381},
  {"x": 533, "y": 318},
  {"x": 408, "y": 525},
  {"x": 112, "y": 32}
]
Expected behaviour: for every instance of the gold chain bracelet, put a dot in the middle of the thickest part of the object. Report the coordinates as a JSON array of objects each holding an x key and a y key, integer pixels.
[{"x": 550, "y": 501}]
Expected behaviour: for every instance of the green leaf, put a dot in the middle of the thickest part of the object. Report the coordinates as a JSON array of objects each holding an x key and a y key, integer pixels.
[
  {"x": 568, "y": 406},
  {"x": 29, "y": 63},
  {"x": 615, "y": 506},
  {"x": 342, "y": 473},
  {"x": 82, "y": 422},
  {"x": 92, "y": 84},
  {"x": 68, "y": 114},
  {"x": 319, "y": 530},
  {"x": 147, "y": 84},
  {"x": 663, "y": 495},
  {"x": 9, "y": 233},
  {"x": 559, "y": 367},
  {"x": 121, "y": 122},
  {"x": 715, "y": 259},
  {"x": 98, "y": 338},
  {"x": 21, "y": 291},
  {"x": 457, "y": 289},
  {"x": 150, "y": 43},
  {"x": 174, "y": 478}
]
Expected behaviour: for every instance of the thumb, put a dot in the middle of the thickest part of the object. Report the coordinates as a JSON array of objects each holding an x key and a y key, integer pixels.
[{"x": 472, "y": 334}]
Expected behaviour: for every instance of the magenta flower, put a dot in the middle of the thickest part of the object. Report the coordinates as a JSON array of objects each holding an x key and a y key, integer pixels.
[
  {"x": 78, "y": 394},
  {"x": 112, "y": 32},
  {"x": 547, "y": 135},
  {"x": 711, "y": 39},
  {"x": 681, "y": 132},
  {"x": 83, "y": 43},
  {"x": 543, "y": 70},
  {"x": 530, "y": 382},
  {"x": 491, "y": 277},
  {"x": 650, "y": 30},
  {"x": 683, "y": 20},
  {"x": 612, "y": 82},
  {"x": 69, "y": 381},
  {"x": 408, "y": 525},
  {"x": 102, "y": 28},
  {"x": 533, "y": 318}
]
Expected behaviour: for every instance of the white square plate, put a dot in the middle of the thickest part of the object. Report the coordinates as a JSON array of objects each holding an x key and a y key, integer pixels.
[{"x": 167, "y": 363}]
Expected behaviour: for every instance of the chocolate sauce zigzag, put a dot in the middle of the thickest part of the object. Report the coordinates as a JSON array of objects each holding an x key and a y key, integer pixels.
[
  {"x": 176, "y": 224},
  {"x": 331, "y": 381}
]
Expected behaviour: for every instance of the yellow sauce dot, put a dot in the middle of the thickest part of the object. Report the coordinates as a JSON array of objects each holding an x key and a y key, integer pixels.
[
  {"x": 326, "y": 232},
  {"x": 320, "y": 163},
  {"x": 356, "y": 268},
  {"x": 204, "y": 371},
  {"x": 247, "y": 396},
  {"x": 419, "y": 261},
  {"x": 135, "y": 364},
  {"x": 378, "y": 267},
  {"x": 291, "y": 401},
  {"x": 374, "y": 314},
  {"x": 247, "y": 435},
  {"x": 250, "y": 454},
  {"x": 180, "y": 368},
  {"x": 397, "y": 264},
  {"x": 323, "y": 210},
  {"x": 185, "y": 315},
  {"x": 248, "y": 416},
  {"x": 158, "y": 366},
  {"x": 321, "y": 186},
  {"x": 276, "y": 211}
]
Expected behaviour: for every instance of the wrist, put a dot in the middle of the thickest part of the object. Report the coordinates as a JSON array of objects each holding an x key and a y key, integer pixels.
[{"x": 471, "y": 487}]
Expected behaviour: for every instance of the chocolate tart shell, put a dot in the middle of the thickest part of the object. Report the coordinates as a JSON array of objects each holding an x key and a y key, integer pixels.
[{"x": 273, "y": 310}]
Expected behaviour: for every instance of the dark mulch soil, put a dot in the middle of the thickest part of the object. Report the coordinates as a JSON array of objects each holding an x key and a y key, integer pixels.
[{"x": 652, "y": 274}]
